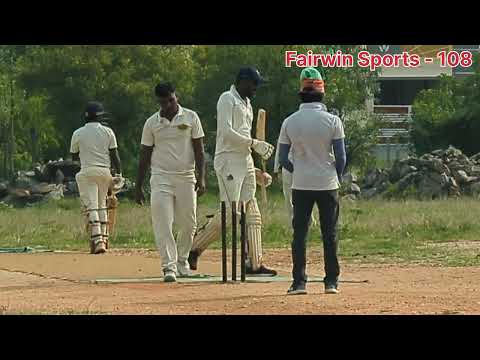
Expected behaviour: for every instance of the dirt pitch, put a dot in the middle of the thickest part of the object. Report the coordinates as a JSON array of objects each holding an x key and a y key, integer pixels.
[{"x": 60, "y": 283}]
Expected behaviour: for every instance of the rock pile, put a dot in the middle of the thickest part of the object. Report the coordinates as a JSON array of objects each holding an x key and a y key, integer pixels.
[
  {"x": 438, "y": 174},
  {"x": 52, "y": 181}
]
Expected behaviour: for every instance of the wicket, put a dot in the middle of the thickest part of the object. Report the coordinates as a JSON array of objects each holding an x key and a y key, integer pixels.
[{"x": 243, "y": 242}]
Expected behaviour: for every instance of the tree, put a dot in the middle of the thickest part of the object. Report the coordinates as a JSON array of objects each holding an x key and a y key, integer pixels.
[
  {"x": 122, "y": 77},
  {"x": 58, "y": 80},
  {"x": 449, "y": 114},
  {"x": 346, "y": 88}
]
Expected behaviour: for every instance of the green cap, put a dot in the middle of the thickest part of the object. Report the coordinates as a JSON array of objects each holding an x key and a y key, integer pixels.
[{"x": 310, "y": 73}]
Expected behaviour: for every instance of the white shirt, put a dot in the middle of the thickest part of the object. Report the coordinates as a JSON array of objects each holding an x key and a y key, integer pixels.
[
  {"x": 234, "y": 126},
  {"x": 310, "y": 132},
  {"x": 93, "y": 141},
  {"x": 172, "y": 142}
]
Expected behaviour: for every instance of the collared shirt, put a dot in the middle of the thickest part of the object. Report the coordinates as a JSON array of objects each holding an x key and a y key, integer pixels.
[
  {"x": 234, "y": 126},
  {"x": 172, "y": 142},
  {"x": 276, "y": 164},
  {"x": 93, "y": 141},
  {"x": 310, "y": 132}
]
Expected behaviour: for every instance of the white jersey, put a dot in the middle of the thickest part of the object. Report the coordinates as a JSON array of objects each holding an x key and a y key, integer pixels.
[
  {"x": 234, "y": 126},
  {"x": 172, "y": 142},
  {"x": 310, "y": 132},
  {"x": 93, "y": 142}
]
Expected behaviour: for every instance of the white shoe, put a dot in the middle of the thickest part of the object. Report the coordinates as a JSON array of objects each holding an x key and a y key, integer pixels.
[
  {"x": 100, "y": 248},
  {"x": 183, "y": 269},
  {"x": 170, "y": 276},
  {"x": 331, "y": 289}
]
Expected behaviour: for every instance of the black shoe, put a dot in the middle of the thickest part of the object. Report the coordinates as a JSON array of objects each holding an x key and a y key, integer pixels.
[
  {"x": 331, "y": 289},
  {"x": 261, "y": 271},
  {"x": 297, "y": 289},
  {"x": 193, "y": 259}
]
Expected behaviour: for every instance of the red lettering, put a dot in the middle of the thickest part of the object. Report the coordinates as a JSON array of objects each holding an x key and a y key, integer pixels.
[
  {"x": 301, "y": 61},
  {"x": 388, "y": 60},
  {"x": 328, "y": 60},
  {"x": 290, "y": 57},
  {"x": 376, "y": 61},
  {"x": 363, "y": 59},
  {"x": 405, "y": 59},
  {"x": 414, "y": 60}
]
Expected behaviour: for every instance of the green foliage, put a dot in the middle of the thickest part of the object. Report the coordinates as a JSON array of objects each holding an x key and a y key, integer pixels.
[
  {"x": 361, "y": 129},
  {"x": 57, "y": 80},
  {"x": 449, "y": 114}
]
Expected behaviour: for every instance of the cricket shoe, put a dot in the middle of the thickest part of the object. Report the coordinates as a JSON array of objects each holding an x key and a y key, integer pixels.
[
  {"x": 170, "y": 276},
  {"x": 193, "y": 259},
  {"x": 183, "y": 269},
  {"x": 297, "y": 289},
  {"x": 331, "y": 289},
  {"x": 261, "y": 271}
]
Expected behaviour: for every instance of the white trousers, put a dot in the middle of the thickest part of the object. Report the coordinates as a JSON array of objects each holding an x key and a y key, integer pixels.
[
  {"x": 93, "y": 184},
  {"x": 236, "y": 179},
  {"x": 173, "y": 201}
]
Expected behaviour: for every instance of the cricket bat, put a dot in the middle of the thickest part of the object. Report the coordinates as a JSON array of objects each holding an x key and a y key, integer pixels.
[{"x": 260, "y": 135}]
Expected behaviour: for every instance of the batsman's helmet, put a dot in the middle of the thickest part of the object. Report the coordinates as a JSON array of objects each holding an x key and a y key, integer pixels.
[{"x": 94, "y": 110}]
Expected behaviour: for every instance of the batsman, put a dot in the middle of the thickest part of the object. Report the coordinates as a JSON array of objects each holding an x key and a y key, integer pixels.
[
  {"x": 235, "y": 169},
  {"x": 95, "y": 146}
]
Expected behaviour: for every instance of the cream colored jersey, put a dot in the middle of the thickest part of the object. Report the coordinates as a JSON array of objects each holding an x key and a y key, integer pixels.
[
  {"x": 93, "y": 142},
  {"x": 234, "y": 126},
  {"x": 172, "y": 142}
]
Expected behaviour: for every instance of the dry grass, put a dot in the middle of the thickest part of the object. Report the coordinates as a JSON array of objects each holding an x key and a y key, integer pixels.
[{"x": 369, "y": 231}]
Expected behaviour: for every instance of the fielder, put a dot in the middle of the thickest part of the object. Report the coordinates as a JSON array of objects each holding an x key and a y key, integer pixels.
[
  {"x": 95, "y": 146},
  {"x": 234, "y": 166},
  {"x": 172, "y": 145}
]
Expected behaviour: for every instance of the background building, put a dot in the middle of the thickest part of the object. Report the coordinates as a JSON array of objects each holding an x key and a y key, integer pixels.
[{"x": 399, "y": 87}]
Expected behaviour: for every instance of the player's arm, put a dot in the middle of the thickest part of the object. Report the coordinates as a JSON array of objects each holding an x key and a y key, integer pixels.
[
  {"x": 146, "y": 149},
  {"x": 143, "y": 166},
  {"x": 340, "y": 156},
  {"x": 76, "y": 157},
  {"x": 224, "y": 124},
  {"x": 75, "y": 148},
  {"x": 338, "y": 144},
  {"x": 284, "y": 148},
  {"x": 284, "y": 161},
  {"x": 199, "y": 152},
  {"x": 115, "y": 157}
]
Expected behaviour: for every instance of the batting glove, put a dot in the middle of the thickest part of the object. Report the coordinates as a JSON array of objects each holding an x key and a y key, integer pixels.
[{"x": 264, "y": 149}]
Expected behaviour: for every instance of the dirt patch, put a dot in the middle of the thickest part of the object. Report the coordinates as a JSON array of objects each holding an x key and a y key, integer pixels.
[{"x": 391, "y": 289}]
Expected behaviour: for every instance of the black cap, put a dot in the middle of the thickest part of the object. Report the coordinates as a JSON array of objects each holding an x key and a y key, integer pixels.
[
  {"x": 94, "y": 109},
  {"x": 250, "y": 73}
]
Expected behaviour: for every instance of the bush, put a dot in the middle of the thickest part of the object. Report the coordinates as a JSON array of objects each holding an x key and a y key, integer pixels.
[{"x": 361, "y": 131}]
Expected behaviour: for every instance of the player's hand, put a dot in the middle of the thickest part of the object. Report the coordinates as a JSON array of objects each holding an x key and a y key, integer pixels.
[
  {"x": 200, "y": 187},
  {"x": 139, "y": 197},
  {"x": 263, "y": 178},
  {"x": 264, "y": 149}
]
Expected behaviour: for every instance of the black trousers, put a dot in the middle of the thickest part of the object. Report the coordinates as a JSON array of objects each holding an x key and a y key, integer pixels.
[{"x": 328, "y": 206}]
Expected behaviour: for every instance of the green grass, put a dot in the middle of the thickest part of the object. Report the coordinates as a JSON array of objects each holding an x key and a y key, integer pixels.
[{"x": 369, "y": 231}]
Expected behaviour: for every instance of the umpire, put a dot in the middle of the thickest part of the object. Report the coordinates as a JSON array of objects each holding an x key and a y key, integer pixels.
[{"x": 316, "y": 140}]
